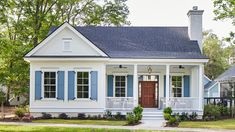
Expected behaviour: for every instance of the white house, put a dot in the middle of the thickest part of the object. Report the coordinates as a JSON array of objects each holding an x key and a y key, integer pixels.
[{"x": 93, "y": 69}]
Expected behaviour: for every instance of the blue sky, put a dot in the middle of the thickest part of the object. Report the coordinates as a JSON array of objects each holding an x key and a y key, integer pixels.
[{"x": 173, "y": 13}]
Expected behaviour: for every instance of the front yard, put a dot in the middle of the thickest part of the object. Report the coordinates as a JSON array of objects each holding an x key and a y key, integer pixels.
[
  {"x": 91, "y": 122},
  {"x": 17, "y": 128},
  {"x": 221, "y": 124}
]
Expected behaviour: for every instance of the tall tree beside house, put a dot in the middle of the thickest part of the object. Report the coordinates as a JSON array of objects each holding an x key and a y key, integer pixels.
[
  {"x": 24, "y": 23},
  {"x": 225, "y": 9},
  {"x": 213, "y": 48}
]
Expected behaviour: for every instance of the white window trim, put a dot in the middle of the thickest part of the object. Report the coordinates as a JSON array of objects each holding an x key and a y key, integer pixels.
[
  {"x": 171, "y": 89},
  {"x": 89, "y": 83},
  {"x": 42, "y": 88},
  {"x": 114, "y": 84}
]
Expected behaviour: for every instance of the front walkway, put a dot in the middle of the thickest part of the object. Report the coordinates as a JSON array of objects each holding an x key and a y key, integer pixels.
[{"x": 138, "y": 127}]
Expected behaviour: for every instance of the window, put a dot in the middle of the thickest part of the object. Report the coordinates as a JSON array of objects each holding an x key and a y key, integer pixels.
[
  {"x": 176, "y": 86},
  {"x": 82, "y": 84},
  {"x": 49, "y": 84},
  {"x": 120, "y": 86}
]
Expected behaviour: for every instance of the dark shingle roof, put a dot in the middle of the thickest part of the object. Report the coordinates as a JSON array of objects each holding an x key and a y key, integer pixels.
[
  {"x": 142, "y": 42},
  {"x": 228, "y": 75}
]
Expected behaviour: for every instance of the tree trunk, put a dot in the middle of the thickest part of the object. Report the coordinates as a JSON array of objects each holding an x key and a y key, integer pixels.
[
  {"x": 7, "y": 103},
  {"x": 2, "y": 110}
]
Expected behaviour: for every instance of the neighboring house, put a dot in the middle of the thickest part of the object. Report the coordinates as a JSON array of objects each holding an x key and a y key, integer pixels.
[
  {"x": 93, "y": 69},
  {"x": 211, "y": 88},
  {"x": 14, "y": 100},
  {"x": 227, "y": 82}
]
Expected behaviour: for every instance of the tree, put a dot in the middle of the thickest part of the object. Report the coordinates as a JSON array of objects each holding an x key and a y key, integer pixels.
[
  {"x": 212, "y": 48},
  {"x": 225, "y": 9},
  {"x": 24, "y": 23}
]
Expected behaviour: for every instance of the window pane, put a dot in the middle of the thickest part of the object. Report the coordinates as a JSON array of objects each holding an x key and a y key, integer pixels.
[
  {"x": 46, "y": 74},
  {"x": 52, "y": 74},
  {"x": 79, "y": 81},
  {"x": 176, "y": 86},
  {"x": 117, "y": 78},
  {"x": 85, "y": 88},
  {"x": 79, "y": 88},
  {"x": 79, "y": 94},
  {"x": 123, "y": 78},
  {"x": 85, "y": 74},
  {"x": 52, "y": 81},
  {"x": 85, "y": 81},
  {"x": 79, "y": 75},
  {"x": 123, "y": 84},
  {"x": 85, "y": 95}
]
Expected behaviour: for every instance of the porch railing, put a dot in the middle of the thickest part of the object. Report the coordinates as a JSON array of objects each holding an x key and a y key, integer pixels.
[
  {"x": 181, "y": 103},
  {"x": 119, "y": 103}
]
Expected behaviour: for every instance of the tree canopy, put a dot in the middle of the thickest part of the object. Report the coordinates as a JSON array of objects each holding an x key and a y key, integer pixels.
[
  {"x": 225, "y": 9},
  {"x": 24, "y": 23},
  {"x": 213, "y": 48}
]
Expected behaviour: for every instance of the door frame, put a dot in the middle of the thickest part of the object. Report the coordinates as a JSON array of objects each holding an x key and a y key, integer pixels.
[{"x": 158, "y": 86}]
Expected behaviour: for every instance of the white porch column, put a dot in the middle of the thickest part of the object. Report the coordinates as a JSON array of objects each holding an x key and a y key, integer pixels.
[
  {"x": 200, "y": 86},
  {"x": 135, "y": 86},
  {"x": 167, "y": 85}
]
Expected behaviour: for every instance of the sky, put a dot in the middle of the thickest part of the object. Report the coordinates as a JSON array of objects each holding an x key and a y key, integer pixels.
[{"x": 174, "y": 13}]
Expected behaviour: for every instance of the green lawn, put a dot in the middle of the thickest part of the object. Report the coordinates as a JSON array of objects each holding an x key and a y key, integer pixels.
[
  {"x": 222, "y": 124},
  {"x": 93, "y": 122},
  {"x": 14, "y": 128}
]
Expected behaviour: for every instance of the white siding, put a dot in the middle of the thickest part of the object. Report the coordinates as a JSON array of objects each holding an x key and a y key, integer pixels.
[
  {"x": 56, "y": 46},
  {"x": 66, "y": 105}
]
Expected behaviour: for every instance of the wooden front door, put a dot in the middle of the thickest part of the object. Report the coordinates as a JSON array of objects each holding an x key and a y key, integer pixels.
[{"x": 148, "y": 94}]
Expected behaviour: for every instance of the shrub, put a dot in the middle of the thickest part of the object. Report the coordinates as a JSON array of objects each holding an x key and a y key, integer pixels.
[
  {"x": 135, "y": 116},
  {"x": 130, "y": 118},
  {"x": 20, "y": 112},
  {"x": 224, "y": 110},
  {"x": 184, "y": 116},
  {"x": 63, "y": 116},
  {"x": 211, "y": 112},
  {"x": 119, "y": 116},
  {"x": 108, "y": 114},
  {"x": 99, "y": 117},
  {"x": 81, "y": 116},
  {"x": 46, "y": 116},
  {"x": 172, "y": 120},
  {"x": 138, "y": 112},
  {"x": 166, "y": 116},
  {"x": 167, "y": 110},
  {"x": 193, "y": 116}
]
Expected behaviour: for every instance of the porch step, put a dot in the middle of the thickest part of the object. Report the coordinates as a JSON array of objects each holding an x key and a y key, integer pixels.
[{"x": 152, "y": 114}]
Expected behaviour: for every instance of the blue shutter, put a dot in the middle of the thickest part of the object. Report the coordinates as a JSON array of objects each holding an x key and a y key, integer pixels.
[
  {"x": 110, "y": 85},
  {"x": 71, "y": 85},
  {"x": 186, "y": 86},
  {"x": 130, "y": 86},
  {"x": 38, "y": 85},
  {"x": 94, "y": 85},
  {"x": 60, "y": 85},
  {"x": 164, "y": 85}
]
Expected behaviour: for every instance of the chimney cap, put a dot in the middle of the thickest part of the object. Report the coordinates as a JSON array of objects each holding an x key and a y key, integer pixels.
[
  {"x": 195, "y": 11},
  {"x": 195, "y": 7}
]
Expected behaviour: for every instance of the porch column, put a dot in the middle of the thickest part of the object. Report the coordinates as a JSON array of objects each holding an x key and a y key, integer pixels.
[
  {"x": 200, "y": 86},
  {"x": 167, "y": 85},
  {"x": 135, "y": 86}
]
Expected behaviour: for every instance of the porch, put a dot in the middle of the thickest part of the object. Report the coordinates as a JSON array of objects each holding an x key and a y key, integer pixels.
[{"x": 154, "y": 86}]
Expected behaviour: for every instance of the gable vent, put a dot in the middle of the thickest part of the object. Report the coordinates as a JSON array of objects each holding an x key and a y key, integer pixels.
[{"x": 67, "y": 44}]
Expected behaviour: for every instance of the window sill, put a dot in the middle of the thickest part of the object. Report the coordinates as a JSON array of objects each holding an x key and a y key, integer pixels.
[
  {"x": 88, "y": 100},
  {"x": 49, "y": 99}
]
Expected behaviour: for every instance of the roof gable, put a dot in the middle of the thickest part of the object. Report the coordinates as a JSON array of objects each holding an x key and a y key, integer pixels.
[{"x": 53, "y": 45}]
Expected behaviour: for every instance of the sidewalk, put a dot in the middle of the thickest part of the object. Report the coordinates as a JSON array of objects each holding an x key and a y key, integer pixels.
[{"x": 138, "y": 127}]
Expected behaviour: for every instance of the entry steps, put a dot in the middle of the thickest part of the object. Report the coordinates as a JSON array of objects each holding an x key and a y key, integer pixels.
[{"x": 152, "y": 114}]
